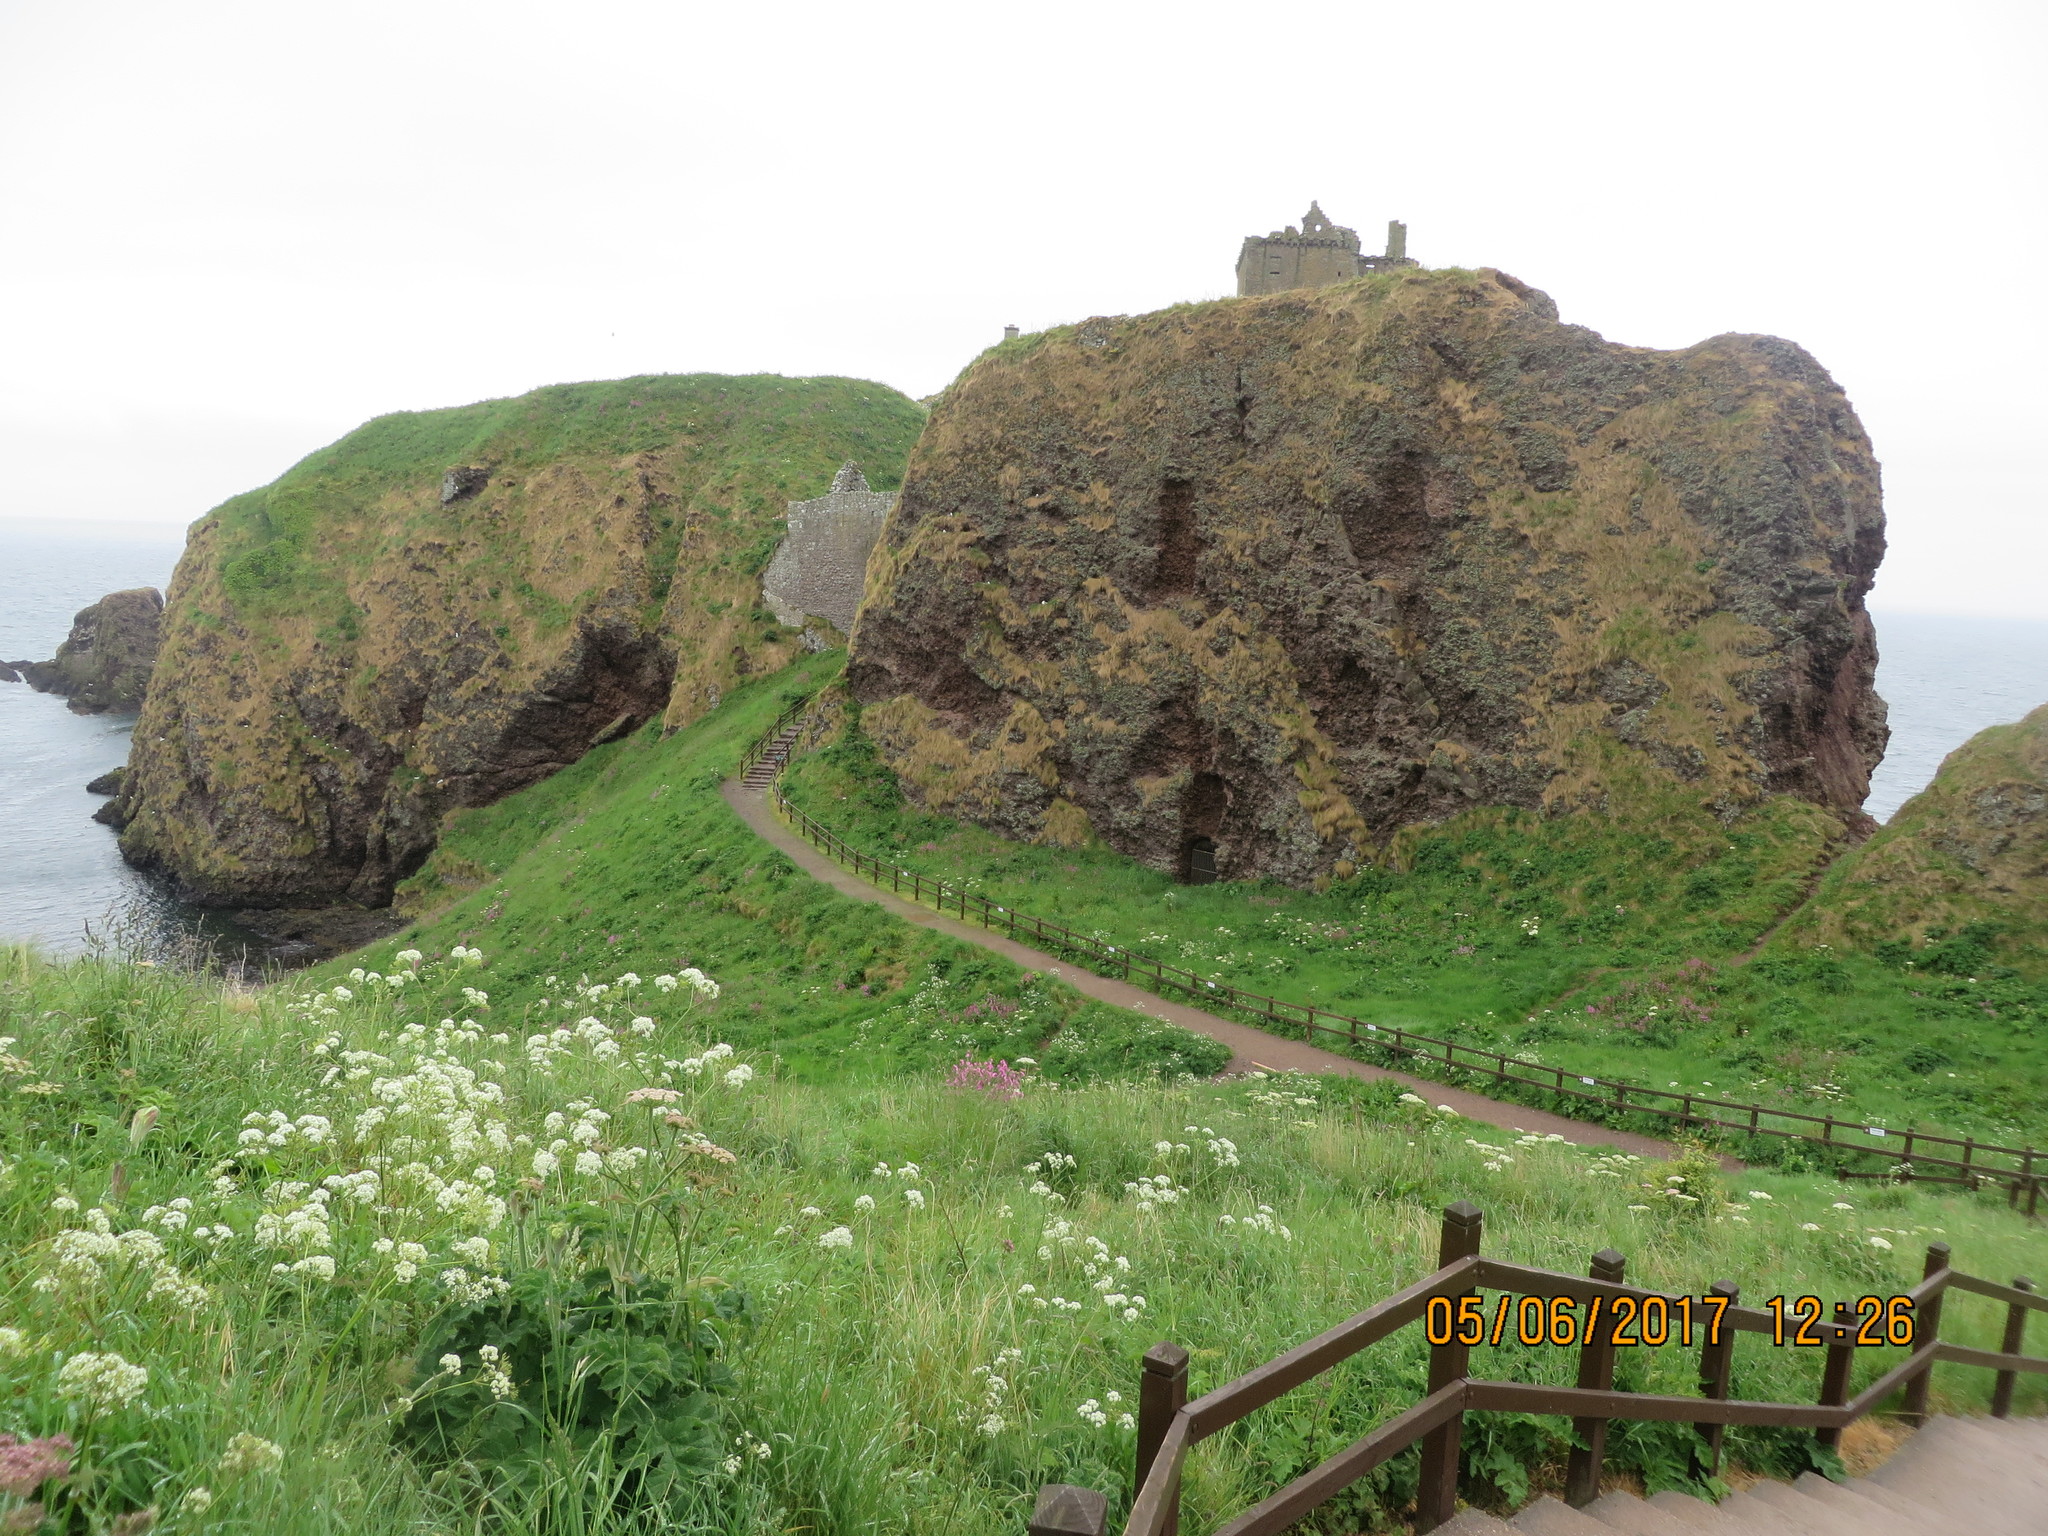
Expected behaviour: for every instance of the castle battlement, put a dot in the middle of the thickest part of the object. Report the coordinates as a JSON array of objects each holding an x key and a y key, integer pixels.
[{"x": 1313, "y": 256}]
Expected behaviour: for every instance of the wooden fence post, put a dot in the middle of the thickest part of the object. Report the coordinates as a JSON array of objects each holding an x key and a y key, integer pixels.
[
  {"x": 1064, "y": 1510},
  {"x": 1436, "y": 1495},
  {"x": 1717, "y": 1361},
  {"x": 1596, "y": 1374},
  {"x": 1162, "y": 1393},
  {"x": 1834, "y": 1376},
  {"x": 2015, "y": 1336},
  {"x": 1926, "y": 1329}
]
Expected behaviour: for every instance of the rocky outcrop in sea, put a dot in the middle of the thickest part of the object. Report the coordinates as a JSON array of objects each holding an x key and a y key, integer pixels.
[{"x": 104, "y": 663}]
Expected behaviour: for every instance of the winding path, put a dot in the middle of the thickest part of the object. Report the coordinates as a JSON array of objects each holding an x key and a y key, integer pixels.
[{"x": 1249, "y": 1048}]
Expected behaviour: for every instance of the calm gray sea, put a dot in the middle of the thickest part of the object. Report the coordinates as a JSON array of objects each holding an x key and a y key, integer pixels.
[{"x": 1946, "y": 679}]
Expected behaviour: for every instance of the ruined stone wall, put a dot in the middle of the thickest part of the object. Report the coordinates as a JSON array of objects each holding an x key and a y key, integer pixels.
[
  {"x": 1280, "y": 262},
  {"x": 1316, "y": 255},
  {"x": 821, "y": 566}
]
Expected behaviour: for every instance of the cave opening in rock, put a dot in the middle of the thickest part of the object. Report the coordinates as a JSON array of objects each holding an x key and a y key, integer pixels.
[{"x": 1198, "y": 861}]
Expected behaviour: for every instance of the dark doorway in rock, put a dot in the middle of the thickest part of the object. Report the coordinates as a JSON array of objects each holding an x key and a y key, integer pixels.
[
  {"x": 1198, "y": 862},
  {"x": 1203, "y": 806}
]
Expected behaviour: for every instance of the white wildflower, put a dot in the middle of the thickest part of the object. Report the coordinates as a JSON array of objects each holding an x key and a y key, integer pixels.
[
  {"x": 250, "y": 1453},
  {"x": 101, "y": 1381}
]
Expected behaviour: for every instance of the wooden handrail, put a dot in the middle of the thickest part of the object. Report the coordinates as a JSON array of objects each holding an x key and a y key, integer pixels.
[
  {"x": 1259, "y": 1386},
  {"x": 1150, "y": 1506},
  {"x": 1320, "y": 1484},
  {"x": 1154, "y": 1509},
  {"x": 1991, "y": 1359},
  {"x": 1525, "y": 1397},
  {"x": 2011, "y": 1294}
]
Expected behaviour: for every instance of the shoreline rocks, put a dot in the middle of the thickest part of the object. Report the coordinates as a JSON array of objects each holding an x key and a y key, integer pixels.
[{"x": 104, "y": 663}]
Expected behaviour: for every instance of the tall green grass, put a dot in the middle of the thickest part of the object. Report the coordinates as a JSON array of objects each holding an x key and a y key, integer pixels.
[
  {"x": 863, "y": 1366},
  {"x": 1607, "y": 951}
]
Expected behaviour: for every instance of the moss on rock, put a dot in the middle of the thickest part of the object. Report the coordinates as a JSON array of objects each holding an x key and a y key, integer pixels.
[{"x": 1293, "y": 573}]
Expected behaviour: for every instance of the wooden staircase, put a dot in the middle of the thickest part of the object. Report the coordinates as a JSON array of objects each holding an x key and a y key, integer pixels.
[
  {"x": 1983, "y": 1477},
  {"x": 768, "y": 763}
]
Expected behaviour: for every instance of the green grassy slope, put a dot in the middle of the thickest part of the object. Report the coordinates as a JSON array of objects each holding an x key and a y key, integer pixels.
[
  {"x": 922, "y": 1371},
  {"x": 1957, "y": 880},
  {"x": 630, "y": 861},
  {"x": 1571, "y": 942}
]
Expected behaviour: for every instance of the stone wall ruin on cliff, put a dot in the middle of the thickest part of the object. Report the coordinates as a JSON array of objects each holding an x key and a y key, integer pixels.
[{"x": 820, "y": 568}]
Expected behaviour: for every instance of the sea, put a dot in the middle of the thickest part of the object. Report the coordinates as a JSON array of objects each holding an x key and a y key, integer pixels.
[{"x": 64, "y": 887}]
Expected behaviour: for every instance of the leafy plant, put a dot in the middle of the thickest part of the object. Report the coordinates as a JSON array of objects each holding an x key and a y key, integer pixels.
[{"x": 547, "y": 1373}]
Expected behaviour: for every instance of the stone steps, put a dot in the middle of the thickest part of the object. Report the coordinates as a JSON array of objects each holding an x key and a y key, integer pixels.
[{"x": 1986, "y": 1477}]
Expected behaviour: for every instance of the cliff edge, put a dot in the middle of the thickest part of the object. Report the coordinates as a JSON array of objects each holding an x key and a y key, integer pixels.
[
  {"x": 445, "y": 606},
  {"x": 1262, "y": 581}
]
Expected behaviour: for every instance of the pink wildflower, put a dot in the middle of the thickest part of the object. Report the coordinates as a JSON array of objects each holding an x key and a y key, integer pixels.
[
  {"x": 997, "y": 1079},
  {"x": 25, "y": 1465}
]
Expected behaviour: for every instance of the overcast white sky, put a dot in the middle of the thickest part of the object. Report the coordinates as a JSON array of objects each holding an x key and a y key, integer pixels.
[{"x": 230, "y": 232}]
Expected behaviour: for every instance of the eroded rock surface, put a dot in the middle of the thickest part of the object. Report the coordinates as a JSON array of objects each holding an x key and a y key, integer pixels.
[
  {"x": 1286, "y": 574},
  {"x": 352, "y": 652},
  {"x": 104, "y": 662}
]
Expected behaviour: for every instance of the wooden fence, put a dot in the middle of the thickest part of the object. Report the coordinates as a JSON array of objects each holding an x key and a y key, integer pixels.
[
  {"x": 1915, "y": 1155},
  {"x": 1169, "y": 1426}
]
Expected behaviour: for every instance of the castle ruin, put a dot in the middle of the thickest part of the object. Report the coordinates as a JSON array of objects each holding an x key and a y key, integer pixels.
[
  {"x": 821, "y": 566},
  {"x": 1314, "y": 256}
]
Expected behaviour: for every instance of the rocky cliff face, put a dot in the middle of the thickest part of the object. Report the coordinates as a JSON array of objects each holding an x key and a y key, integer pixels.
[
  {"x": 446, "y": 606},
  {"x": 104, "y": 662},
  {"x": 1971, "y": 848},
  {"x": 1285, "y": 574}
]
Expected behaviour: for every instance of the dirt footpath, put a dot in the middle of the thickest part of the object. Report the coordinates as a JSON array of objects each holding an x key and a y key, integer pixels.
[{"x": 1249, "y": 1048}]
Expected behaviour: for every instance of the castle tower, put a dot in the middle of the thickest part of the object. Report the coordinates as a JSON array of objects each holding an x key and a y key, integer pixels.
[{"x": 1316, "y": 255}]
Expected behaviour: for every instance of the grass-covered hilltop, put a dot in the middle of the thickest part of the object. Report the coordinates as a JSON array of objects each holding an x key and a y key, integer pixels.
[
  {"x": 448, "y": 605},
  {"x": 634, "y": 1180}
]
